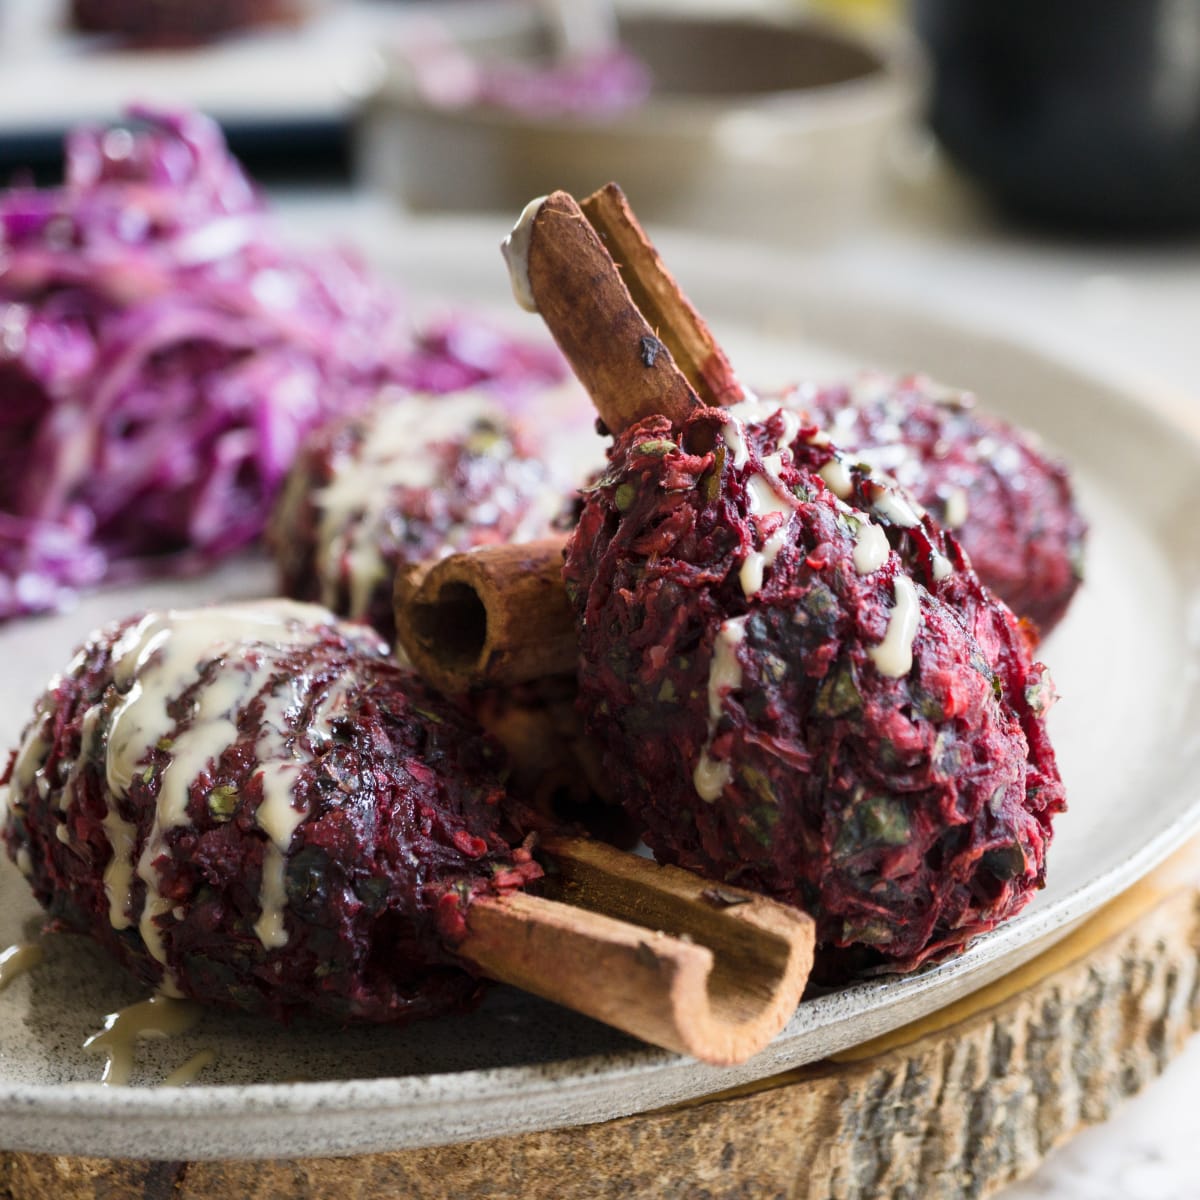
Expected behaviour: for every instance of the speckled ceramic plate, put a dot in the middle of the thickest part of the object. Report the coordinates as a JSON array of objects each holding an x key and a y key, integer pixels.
[{"x": 1126, "y": 664}]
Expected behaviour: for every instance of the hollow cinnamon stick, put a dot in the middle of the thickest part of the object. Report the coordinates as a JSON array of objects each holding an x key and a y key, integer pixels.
[
  {"x": 714, "y": 972},
  {"x": 561, "y": 269},
  {"x": 497, "y": 615}
]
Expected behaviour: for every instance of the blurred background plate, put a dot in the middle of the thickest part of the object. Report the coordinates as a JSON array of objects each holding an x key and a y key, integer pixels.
[{"x": 1127, "y": 661}]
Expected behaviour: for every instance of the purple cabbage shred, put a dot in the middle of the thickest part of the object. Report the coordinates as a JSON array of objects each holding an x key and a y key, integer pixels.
[{"x": 163, "y": 352}]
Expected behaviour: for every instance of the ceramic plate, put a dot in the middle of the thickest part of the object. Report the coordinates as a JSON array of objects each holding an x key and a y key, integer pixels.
[{"x": 1125, "y": 660}]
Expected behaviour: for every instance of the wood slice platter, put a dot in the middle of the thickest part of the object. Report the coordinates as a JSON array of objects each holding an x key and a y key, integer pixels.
[{"x": 956, "y": 1105}]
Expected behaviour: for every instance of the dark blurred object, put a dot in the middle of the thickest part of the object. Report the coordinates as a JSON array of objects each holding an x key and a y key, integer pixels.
[
  {"x": 179, "y": 22},
  {"x": 274, "y": 152},
  {"x": 1074, "y": 113}
]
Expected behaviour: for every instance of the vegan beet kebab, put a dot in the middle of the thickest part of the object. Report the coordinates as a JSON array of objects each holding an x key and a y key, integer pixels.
[
  {"x": 412, "y": 479},
  {"x": 253, "y": 806},
  {"x": 795, "y": 679},
  {"x": 1008, "y": 503}
]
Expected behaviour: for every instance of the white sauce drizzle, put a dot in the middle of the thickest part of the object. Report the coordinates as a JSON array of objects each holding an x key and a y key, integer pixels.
[
  {"x": 187, "y": 1071},
  {"x": 515, "y": 249},
  {"x": 17, "y": 960},
  {"x": 957, "y": 509},
  {"x": 757, "y": 410},
  {"x": 277, "y": 815},
  {"x": 894, "y": 655},
  {"x": 891, "y": 504},
  {"x": 871, "y": 547},
  {"x": 31, "y": 759},
  {"x": 724, "y": 675},
  {"x": 32, "y": 753},
  {"x": 766, "y": 494},
  {"x": 156, "y": 662},
  {"x": 118, "y": 873},
  {"x": 836, "y": 477},
  {"x": 397, "y": 453},
  {"x": 764, "y": 497},
  {"x": 160, "y": 1016},
  {"x": 734, "y": 435}
]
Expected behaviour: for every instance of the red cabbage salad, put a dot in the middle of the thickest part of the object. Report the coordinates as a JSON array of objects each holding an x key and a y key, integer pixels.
[{"x": 164, "y": 350}]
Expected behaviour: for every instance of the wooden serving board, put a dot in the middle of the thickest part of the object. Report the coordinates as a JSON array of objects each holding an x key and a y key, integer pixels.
[{"x": 956, "y": 1105}]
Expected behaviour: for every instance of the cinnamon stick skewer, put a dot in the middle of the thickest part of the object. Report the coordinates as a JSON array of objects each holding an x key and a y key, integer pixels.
[
  {"x": 729, "y": 980},
  {"x": 714, "y": 972},
  {"x": 561, "y": 270},
  {"x": 661, "y": 301},
  {"x": 495, "y": 616}
]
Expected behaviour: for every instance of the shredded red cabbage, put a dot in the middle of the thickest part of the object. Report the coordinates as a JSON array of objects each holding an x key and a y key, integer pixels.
[{"x": 163, "y": 351}]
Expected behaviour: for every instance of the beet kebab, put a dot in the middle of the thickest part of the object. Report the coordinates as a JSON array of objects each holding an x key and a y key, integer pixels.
[
  {"x": 253, "y": 806},
  {"x": 796, "y": 682},
  {"x": 412, "y": 479},
  {"x": 1006, "y": 500}
]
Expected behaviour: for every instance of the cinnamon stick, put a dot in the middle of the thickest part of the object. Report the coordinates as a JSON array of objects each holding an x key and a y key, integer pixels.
[
  {"x": 660, "y": 299},
  {"x": 652, "y": 950},
  {"x": 560, "y": 267},
  {"x": 497, "y": 615}
]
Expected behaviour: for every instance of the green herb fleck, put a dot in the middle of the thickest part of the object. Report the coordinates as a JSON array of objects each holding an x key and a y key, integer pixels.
[
  {"x": 710, "y": 483},
  {"x": 838, "y": 693},
  {"x": 428, "y": 714},
  {"x": 1040, "y": 695},
  {"x": 763, "y": 822},
  {"x": 666, "y": 692},
  {"x": 884, "y": 820},
  {"x": 760, "y": 785},
  {"x": 819, "y": 606},
  {"x": 372, "y": 891},
  {"x": 656, "y": 448},
  {"x": 928, "y": 705},
  {"x": 223, "y": 802},
  {"x": 164, "y": 743},
  {"x": 307, "y": 871},
  {"x": 1077, "y": 560},
  {"x": 867, "y": 933},
  {"x": 774, "y": 668},
  {"x": 483, "y": 440},
  {"x": 626, "y": 494}
]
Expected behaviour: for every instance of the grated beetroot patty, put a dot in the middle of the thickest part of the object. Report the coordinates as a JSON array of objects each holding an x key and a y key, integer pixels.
[
  {"x": 1008, "y": 502},
  {"x": 278, "y": 726},
  {"x": 414, "y": 478},
  {"x": 752, "y": 731}
]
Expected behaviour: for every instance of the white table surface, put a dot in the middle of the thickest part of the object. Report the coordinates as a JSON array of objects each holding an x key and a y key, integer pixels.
[{"x": 1133, "y": 312}]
